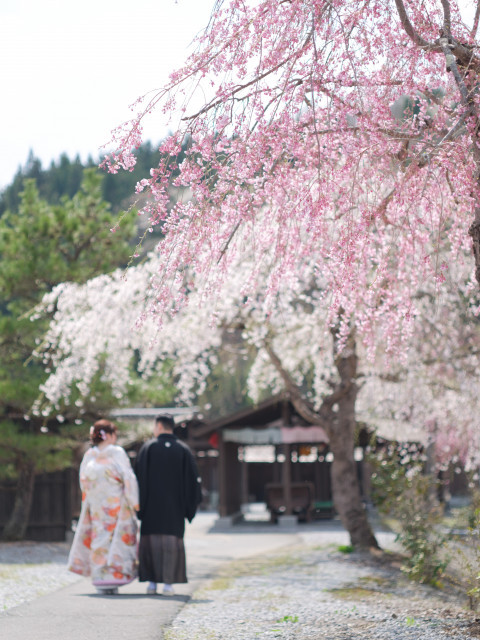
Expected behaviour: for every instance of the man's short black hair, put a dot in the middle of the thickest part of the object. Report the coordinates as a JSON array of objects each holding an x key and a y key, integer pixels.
[{"x": 167, "y": 420}]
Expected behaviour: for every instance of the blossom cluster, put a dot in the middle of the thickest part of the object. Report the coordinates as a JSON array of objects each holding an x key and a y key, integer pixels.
[{"x": 333, "y": 170}]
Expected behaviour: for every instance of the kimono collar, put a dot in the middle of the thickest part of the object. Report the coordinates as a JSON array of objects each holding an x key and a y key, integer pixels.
[{"x": 171, "y": 436}]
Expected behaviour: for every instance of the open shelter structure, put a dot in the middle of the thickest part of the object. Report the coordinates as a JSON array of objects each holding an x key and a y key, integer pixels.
[{"x": 268, "y": 453}]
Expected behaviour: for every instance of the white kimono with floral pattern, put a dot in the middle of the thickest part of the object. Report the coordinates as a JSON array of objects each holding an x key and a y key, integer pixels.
[{"x": 105, "y": 542}]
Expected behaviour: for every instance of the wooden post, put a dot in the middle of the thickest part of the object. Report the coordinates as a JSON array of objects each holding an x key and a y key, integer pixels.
[
  {"x": 222, "y": 478},
  {"x": 287, "y": 464},
  {"x": 244, "y": 466},
  {"x": 287, "y": 479},
  {"x": 277, "y": 466},
  {"x": 229, "y": 479}
]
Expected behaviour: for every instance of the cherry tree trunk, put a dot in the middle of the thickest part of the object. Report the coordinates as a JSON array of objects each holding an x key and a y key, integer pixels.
[
  {"x": 345, "y": 483},
  {"x": 337, "y": 416},
  {"x": 16, "y": 526}
]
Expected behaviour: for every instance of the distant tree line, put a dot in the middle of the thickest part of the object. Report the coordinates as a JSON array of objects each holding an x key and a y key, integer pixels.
[{"x": 64, "y": 177}]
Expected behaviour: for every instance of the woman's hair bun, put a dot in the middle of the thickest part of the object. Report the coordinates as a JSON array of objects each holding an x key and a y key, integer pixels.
[{"x": 99, "y": 430}]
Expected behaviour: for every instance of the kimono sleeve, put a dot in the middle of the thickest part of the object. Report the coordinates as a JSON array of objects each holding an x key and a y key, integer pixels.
[
  {"x": 193, "y": 486},
  {"x": 141, "y": 471},
  {"x": 129, "y": 480},
  {"x": 81, "y": 475}
]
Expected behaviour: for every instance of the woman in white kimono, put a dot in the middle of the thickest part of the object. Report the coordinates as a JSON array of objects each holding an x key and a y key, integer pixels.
[{"x": 105, "y": 542}]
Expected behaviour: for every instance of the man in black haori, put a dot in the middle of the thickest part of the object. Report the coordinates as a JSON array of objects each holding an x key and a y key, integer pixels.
[{"x": 170, "y": 491}]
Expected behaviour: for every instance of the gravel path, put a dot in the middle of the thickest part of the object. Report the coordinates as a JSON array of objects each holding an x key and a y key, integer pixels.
[
  {"x": 31, "y": 569},
  {"x": 314, "y": 593}
]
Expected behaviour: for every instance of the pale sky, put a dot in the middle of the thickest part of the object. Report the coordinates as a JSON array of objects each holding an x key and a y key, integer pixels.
[{"x": 70, "y": 70}]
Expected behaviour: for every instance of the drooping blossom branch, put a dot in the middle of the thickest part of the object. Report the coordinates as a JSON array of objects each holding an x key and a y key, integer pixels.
[{"x": 96, "y": 331}]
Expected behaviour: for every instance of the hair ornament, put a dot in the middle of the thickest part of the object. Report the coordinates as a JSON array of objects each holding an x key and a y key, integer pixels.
[{"x": 103, "y": 434}]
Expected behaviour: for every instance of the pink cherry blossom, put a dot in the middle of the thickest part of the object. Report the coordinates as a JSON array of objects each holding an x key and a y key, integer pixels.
[{"x": 333, "y": 166}]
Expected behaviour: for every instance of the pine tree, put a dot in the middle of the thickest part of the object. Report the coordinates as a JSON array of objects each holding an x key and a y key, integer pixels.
[{"x": 42, "y": 245}]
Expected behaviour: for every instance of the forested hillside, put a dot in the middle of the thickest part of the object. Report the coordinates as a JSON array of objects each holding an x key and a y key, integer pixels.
[{"x": 63, "y": 178}]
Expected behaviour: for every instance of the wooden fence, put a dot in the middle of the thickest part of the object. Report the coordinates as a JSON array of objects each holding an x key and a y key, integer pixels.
[{"x": 52, "y": 506}]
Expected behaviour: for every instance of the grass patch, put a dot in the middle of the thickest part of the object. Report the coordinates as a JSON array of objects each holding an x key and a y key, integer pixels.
[
  {"x": 354, "y": 593},
  {"x": 256, "y": 566},
  {"x": 375, "y": 580},
  {"x": 219, "y": 584},
  {"x": 259, "y": 566},
  {"x": 288, "y": 619}
]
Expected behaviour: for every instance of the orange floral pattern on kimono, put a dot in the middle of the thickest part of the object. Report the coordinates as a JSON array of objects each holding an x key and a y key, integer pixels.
[{"x": 105, "y": 542}]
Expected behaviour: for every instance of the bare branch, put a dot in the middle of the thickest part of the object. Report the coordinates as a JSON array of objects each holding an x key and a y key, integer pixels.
[
  {"x": 463, "y": 53},
  {"x": 324, "y": 416},
  {"x": 453, "y": 67},
  {"x": 447, "y": 21},
  {"x": 255, "y": 80},
  {"x": 410, "y": 31},
  {"x": 230, "y": 238},
  {"x": 473, "y": 33}
]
